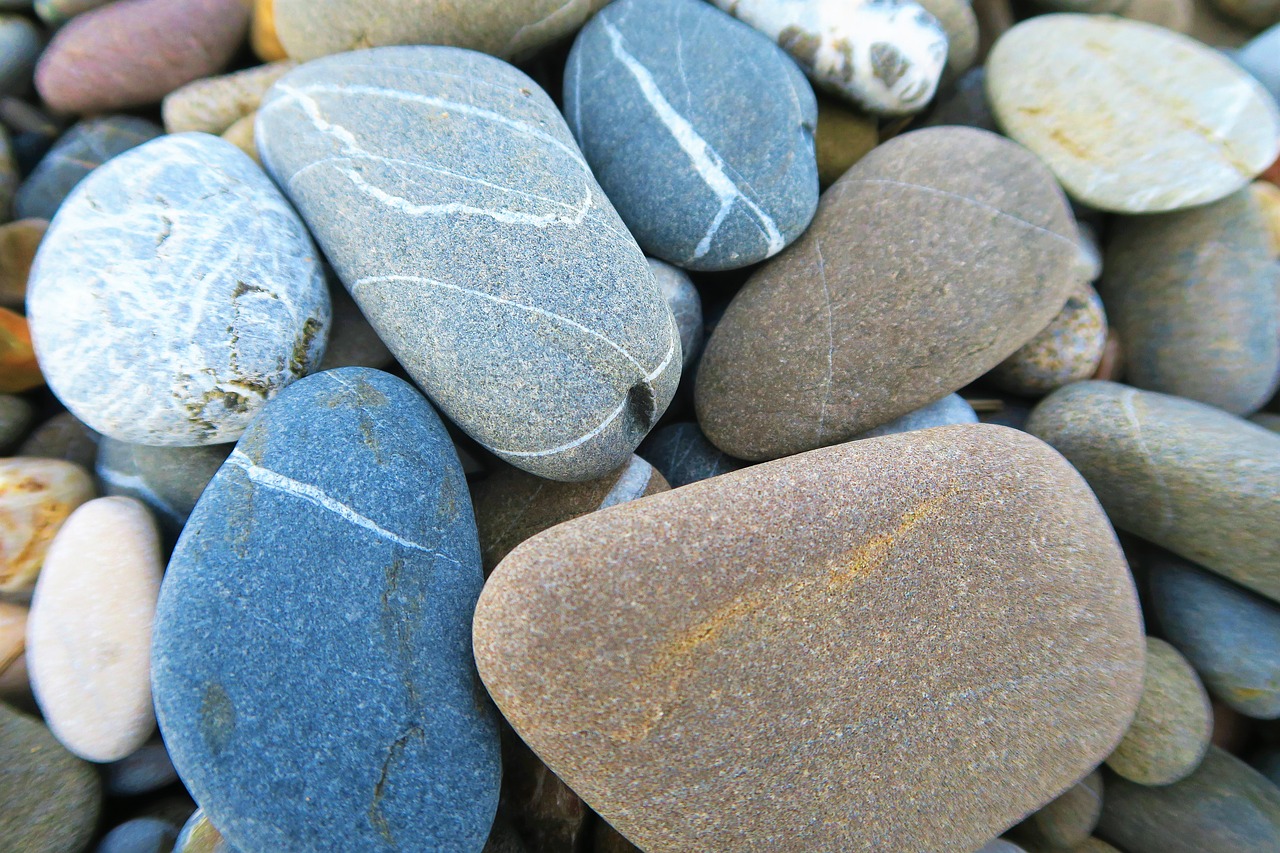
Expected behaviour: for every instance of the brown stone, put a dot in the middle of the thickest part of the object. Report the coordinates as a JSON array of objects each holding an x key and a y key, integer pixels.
[
  {"x": 917, "y": 639},
  {"x": 1068, "y": 820},
  {"x": 1068, "y": 350},
  {"x": 843, "y": 137},
  {"x": 18, "y": 243},
  {"x": 19, "y": 370}
]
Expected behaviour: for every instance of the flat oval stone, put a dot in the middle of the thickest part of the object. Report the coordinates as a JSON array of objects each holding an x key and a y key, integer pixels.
[
  {"x": 1002, "y": 640},
  {"x": 699, "y": 129},
  {"x": 1068, "y": 820},
  {"x": 186, "y": 213},
  {"x": 405, "y": 162},
  {"x": 20, "y": 44},
  {"x": 213, "y": 104},
  {"x": 682, "y": 453},
  {"x": 36, "y": 496},
  {"x": 951, "y": 409},
  {"x": 686, "y": 306},
  {"x": 1069, "y": 349},
  {"x": 18, "y": 244},
  {"x": 1186, "y": 476},
  {"x": 969, "y": 235},
  {"x": 1078, "y": 91},
  {"x": 142, "y": 771},
  {"x": 349, "y": 482},
  {"x": 141, "y": 835},
  {"x": 169, "y": 480}
]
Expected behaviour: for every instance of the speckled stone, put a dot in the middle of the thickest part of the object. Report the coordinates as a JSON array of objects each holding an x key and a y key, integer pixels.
[
  {"x": 134, "y": 52},
  {"x": 1171, "y": 731},
  {"x": 1196, "y": 297},
  {"x": 83, "y": 148},
  {"x": 1188, "y": 477},
  {"x": 1224, "y": 807},
  {"x": 145, "y": 770},
  {"x": 512, "y": 505},
  {"x": 56, "y": 12},
  {"x": 686, "y": 306},
  {"x": 958, "y": 21},
  {"x": 36, "y": 496},
  {"x": 198, "y": 835},
  {"x": 1068, "y": 820},
  {"x": 843, "y": 137},
  {"x": 951, "y": 409},
  {"x": 351, "y": 484},
  {"x": 213, "y": 104},
  {"x": 1068, "y": 350},
  {"x": 545, "y": 812},
  {"x": 755, "y": 599},
  {"x": 1261, "y": 58},
  {"x": 1076, "y": 90},
  {"x": 683, "y": 455},
  {"x": 699, "y": 129},
  {"x": 981, "y": 249},
  {"x": 141, "y": 835},
  {"x": 484, "y": 252},
  {"x": 352, "y": 341},
  {"x": 16, "y": 415},
  {"x": 1251, "y": 13},
  {"x": 20, "y": 44},
  {"x": 63, "y": 437},
  {"x": 169, "y": 480},
  {"x": 183, "y": 213},
  {"x": 885, "y": 56},
  {"x": 18, "y": 244}
]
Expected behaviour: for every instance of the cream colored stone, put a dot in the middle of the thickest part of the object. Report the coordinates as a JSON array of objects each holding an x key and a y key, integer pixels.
[
  {"x": 241, "y": 136},
  {"x": 36, "y": 496},
  {"x": 213, "y": 104},
  {"x": 13, "y": 642},
  {"x": 1268, "y": 197}
]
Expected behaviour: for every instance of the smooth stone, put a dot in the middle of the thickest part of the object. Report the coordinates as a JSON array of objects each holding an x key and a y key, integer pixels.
[
  {"x": 1267, "y": 420},
  {"x": 562, "y": 353},
  {"x": 1230, "y": 635},
  {"x": 1251, "y": 13},
  {"x": 394, "y": 742},
  {"x": 1267, "y": 196},
  {"x": 9, "y": 169},
  {"x": 36, "y": 496},
  {"x": 241, "y": 135},
  {"x": 1171, "y": 731},
  {"x": 1224, "y": 807},
  {"x": 143, "y": 771},
  {"x": 16, "y": 415},
  {"x": 49, "y": 799},
  {"x": 63, "y": 437},
  {"x": 1186, "y": 476},
  {"x": 19, "y": 367},
  {"x": 213, "y": 104},
  {"x": 1195, "y": 295},
  {"x": 1001, "y": 639},
  {"x": 1261, "y": 58},
  {"x": 20, "y": 44},
  {"x": 960, "y": 24},
  {"x": 83, "y": 148},
  {"x": 169, "y": 480},
  {"x": 686, "y": 306},
  {"x": 885, "y": 56},
  {"x": 18, "y": 244},
  {"x": 699, "y": 129},
  {"x": 1076, "y": 90},
  {"x": 13, "y": 643},
  {"x": 58, "y": 12},
  {"x": 1091, "y": 249},
  {"x": 141, "y": 835},
  {"x": 1068, "y": 350},
  {"x": 1171, "y": 14},
  {"x": 951, "y": 409},
  {"x": 965, "y": 105},
  {"x": 131, "y": 53},
  {"x": 981, "y": 250},
  {"x": 262, "y": 32},
  {"x": 198, "y": 835},
  {"x": 682, "y": 454},
  {"x": 510, "y": 29},
  {"x": 1068, "y": 820},
  {"x": 512, "y": 505},
  {"x": 546, "y": 814},
  {"x": 843, "y": 137},
  {"x": 352, "y": 341},
  {"x": 183, "y": 212}
]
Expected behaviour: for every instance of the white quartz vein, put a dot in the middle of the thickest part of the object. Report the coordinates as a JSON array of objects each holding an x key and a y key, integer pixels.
[
  {"x": 634, "y": 480},
  {"x": 831, "y": 341},
  {"x": 507, "y": 217}
]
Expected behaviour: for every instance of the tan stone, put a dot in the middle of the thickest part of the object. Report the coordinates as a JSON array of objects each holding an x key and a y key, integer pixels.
[
  {"x": 262, "y": 32},
  {"x": 213, "y": 104},
  {"x": 1267, "y": 195},
  {"x": 18, "y": 243},
  {"x": 36, "y": 496},
  {"x": 240, "y": 134},
  {"x": 13, "y": 642}
]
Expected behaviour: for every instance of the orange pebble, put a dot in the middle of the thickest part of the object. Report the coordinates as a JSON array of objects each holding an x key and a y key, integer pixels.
[
  {"x": 262, "y": 33},
  {"x": 18, "y": 369}
]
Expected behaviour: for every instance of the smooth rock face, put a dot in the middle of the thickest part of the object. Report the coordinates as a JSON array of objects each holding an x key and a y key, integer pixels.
[
  {"x": 843, "y": 137},
  {"x": 683, "y": 455},
  {"x": 18, "y": 244},
  {"x": 883, "y": 55},
  {"x": 1261, "y": 58},
  {"x": 1188, "y": 477},
  {"x": 1224, "y": 807},
  {"x": 349, "y": 482},
  {"x": 169, "y": 480},
  {"x": 686, "y": 306},
  {"x": 512, "y": 29},
  {"x": 454, "y": 205},
  {"x": 934, "y": 258},
  {"x": 699, "y": 129},
  {"x": 1077, "y": 90},
  {"x": 213, "y": 104},
  {"x": 1068, "y": 350},
  {"x": 182, "y": 214},
  {"x": 142, "y": 835},
  {"x": 951, "y": 409},
  {"x": 36, "y": 496},
  {"x": 1068, "y": 820},
  {"x": 1195, "y": 295},
  {"x": 142, "y": 771},
  {"x": 754, "y": 601}
]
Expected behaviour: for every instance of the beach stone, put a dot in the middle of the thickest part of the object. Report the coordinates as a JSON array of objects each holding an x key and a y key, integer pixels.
[
  {"x": 49, "y": 799},
  {"x": 546, "y": 814},
  {"x": 885, "y": 56},
  {"x": 131, "y": 53},
  {"x": 1068, "y": 820},
  {"x": 1068, "y": 350},
  {"x": 19, "y": 368},
  {"x": 1251, "y": 13},
  {"x": 213, "y": 104},
  {"x": 58, "y": 12},
  {"x": 36, "y": 496},
  {"x": 1267, "y": 420},
  {"x": 83, "y": 148},
  {"x": 18, "y": 244},
  {"x": 1186, "y": 476},
  {"x": 843, "y": 137},
  {"x": 511, "y": 29},
  {"x": 13, "y": 642},
  {"x": 951, "y": 409},
  {"x": 1174, "y": 723},
  {"x": 1267, "y": 197},
  {"x": 958, "y": 21},
  {"x": 686, "y": 306},
  {"x": 1196, "y": 297},
  {"x": 16, "y": 415},
  {"x": 981, "y": 249},
  {"x": 262, "y": 32},
  {"x": 395, "y": 744},
  {"x": 683, "y": 455},
  {"x": 20, "y": 44},
  {"x": 755, "y": 599},
  {"x": 486, "y": 237},
  {"x": 1224, "y": 807},
  {"x": 1230, "y": 635},
  {"x": 352, "y": 341},
  {"x": 512, "y": 505},
  {"x": 146, "y": 769},
  {"x": 699, "y": 129},
  {"x": 183, "y": 213},
  {"x": 198, "y": 835},
  {"x": 241, "y": 135},
  {"x": 141, "y": 835},
  {"x": 168, "y": 480},
  {"x": 1076, "y": 90},
  {"x": 965, "y": 104},
  {"x": 63, "y": 437},
  {"x": 1261, "y": 58}
]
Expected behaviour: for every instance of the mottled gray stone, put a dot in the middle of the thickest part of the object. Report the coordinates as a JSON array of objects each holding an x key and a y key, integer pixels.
[
  {"x": 450, "y": 197},
  {"x": 188, "y": 215},
  {"x": 20, "y": 44},
  {"x": 682, "y": 454},
  {"x": 63, "y": 437},
  {"x": 685, "y": 304},
  {"x": 951, "y": 409},
  {"x": 169, "y": 480}
]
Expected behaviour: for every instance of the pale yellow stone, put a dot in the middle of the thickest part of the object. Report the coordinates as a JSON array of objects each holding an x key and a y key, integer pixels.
[
  {"x": 36, "y": 496},
  {"x": 1268, "y": 196},
  {"x": 241, "y": 136}
]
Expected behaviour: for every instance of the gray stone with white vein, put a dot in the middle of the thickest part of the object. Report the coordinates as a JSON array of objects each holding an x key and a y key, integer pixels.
[{"x": 450, "y": 197}]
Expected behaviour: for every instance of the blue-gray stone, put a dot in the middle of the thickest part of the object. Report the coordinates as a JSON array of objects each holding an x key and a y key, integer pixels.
[
  {"x": 686, "y": 306},
  {"x": 1230, "y": 635},
  {"x": 951, "y": 409},
  {"x": 20, "y": 46},
  {"x": 169, "y": 480},
  {"x": 1261, "y": 58},
  {"x": 448, "y": 193},
  {"x": 143, "y": 771},
  {"x": 699, "y": 128},
  {"x": 312, "y": 661},
  {"x": 140, "y": 835},
  {"x": 1267, "y": 763},
  {"x": 682, "y": 455}
]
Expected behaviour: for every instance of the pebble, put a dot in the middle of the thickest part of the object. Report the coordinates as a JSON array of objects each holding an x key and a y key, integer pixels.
[
  {"x": 50, "y": 799},
  {"x": 241, "y": 135},
  {"x": 19, "y": 368},
  {"x": 885, "y": 56},
  {"x": 1251, "y": 13},
  {"x": 686, "y": 306},
  {"x": 699, "y": 129},
  {"x": 1068, "y": 820},
  {"x": 697, "y": 685},
  {"x": 213, "y": 104},
  {"x": 200, "y": 836},
  {"x": 843, "y": 137},
  {"x": 148, "y": 369},
  {"x": 1267, "y": 196},
  {"x": 131, "y": 53},
  {"x": 982, "y": 251},
  {"x": 1261, "y": 58},
  {"x": 1194, "y": 295},
  {"x": 141, "y": 835},
  {"x": 562, "y": 351},
  {"x": 1170, "y": 14},
  {"x": 16, "y": 415},
  {"x": 1171, "y": 731},
  {"x": 36, "y": 496},
  {"x": 958, "y": 21},
  {"x": 966, "y": 104},
  {"x": 18, "y": 244},
  {"x": 1186, "y": 476},
  {"x": 169, "y": 480},
  {"x": 951, "y": 409},
  {"x": 63, "y": 437},
  {"x": 1077, "y": 90},
  {"x": 20, "y": 44},
  {"x": 683, "y": 455},
  {"x": 394, "y": 743},
  {"x": 57, "y": 12},
  {"x": 352, "y": 341},
  {"x": 1069, "y": 349},
  {"x": 144, "y": 770},
  {"x": 1224, "y": 807},
  {"x": 13, "y": 641},
  {"x": 262, "y": 32}
]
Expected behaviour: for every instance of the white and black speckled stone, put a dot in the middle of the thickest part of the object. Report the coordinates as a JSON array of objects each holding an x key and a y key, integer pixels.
[
  {"x": 175, "y": 293},
  {"x": 454, "y": 204}
]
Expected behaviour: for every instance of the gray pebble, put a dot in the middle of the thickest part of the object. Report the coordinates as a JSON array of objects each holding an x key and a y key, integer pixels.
[
  {"x": 169, "y": 480},
  {"x": 685, "y": 304},
  {"x": 63, "y": 437},
  {"x": 20, "y": 44},
  {"x": 951, "y": 409},
  {"x": 141, "y": 835},
  {"x": 146, "y": 770},
  {"x": 683, "y": 455}
]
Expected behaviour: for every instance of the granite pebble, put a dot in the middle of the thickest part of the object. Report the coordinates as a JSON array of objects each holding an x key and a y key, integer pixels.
[
  {"x": 1069, "y": 349},
  {"x": 36, "y": 496}
]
